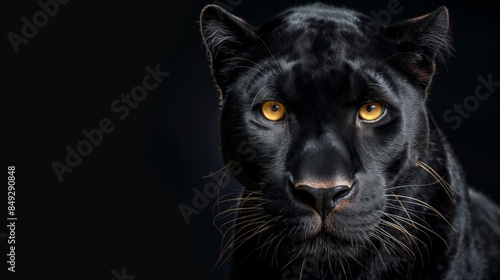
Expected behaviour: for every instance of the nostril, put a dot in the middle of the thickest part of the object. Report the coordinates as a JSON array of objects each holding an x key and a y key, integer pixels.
[
  {"x": 341, "y": 192},
  {"x": 304, "y": 197}
]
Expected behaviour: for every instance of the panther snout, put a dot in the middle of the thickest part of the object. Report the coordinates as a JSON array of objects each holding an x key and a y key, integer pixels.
[{"x": 323, "y": 197}]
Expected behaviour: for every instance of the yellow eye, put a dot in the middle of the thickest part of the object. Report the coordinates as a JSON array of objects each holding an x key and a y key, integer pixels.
[
  {"x": 371, "y": 111},
  {"x": 272, "y": 110}
]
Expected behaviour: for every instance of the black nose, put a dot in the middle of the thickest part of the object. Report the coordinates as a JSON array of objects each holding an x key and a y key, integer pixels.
[{"x": 323, "y": 200}]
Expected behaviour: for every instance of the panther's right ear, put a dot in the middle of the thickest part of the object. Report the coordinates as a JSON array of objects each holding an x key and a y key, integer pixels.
[
  {"x": 226, "y": 38},
  {"x": 425, "y": 40}
]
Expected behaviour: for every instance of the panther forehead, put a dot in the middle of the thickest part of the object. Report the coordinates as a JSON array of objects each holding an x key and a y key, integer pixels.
[
  {"x": 316, "y": 35},
  {"x": 300, "y": 16}
]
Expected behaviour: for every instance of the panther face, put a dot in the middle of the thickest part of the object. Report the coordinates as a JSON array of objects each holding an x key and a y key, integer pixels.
[{"x": 324, "y": 122}]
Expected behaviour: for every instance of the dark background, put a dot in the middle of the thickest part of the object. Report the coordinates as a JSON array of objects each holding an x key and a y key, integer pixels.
[{"x": 119, "y": 207}]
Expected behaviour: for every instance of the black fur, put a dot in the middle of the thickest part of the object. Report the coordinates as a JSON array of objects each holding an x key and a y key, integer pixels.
[{"x": 408, "y": 213}]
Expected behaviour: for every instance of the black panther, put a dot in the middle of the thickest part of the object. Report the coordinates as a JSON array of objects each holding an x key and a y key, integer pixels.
[{"x": 346, "y": 175}]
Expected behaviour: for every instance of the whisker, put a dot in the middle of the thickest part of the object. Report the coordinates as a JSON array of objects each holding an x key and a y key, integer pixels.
[
  {"x": 412, "y": 212},
  {"x": 275, "y": 251},
  {"x": 258, "y": 214},
  {"x": 372, "y": 245},
  {"x": 424, "y": 204},
  {"x": 302, "y": 268},
  {"x": 447, "y": 188},
  {"x": 269, "y": 242},
  {"x": 410, "y": 237},
  {"x": 412, "y": 185},
  {"x": 418, "y": 226},
  {"x": 403, "y": 249},
  {"x": 220, "y": 170},
  {"x": 233, "y": 241}
]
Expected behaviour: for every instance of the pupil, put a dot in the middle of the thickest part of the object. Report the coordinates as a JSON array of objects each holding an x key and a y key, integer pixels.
[
  {"x": 369, "y": 108},
  {"x": 275, "y": 108}
]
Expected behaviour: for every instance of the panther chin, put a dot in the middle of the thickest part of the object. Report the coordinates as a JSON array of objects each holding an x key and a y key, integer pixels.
[{"x": 325, "y": 247}]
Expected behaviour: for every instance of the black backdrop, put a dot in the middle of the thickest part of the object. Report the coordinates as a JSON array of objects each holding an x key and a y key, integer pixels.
[{"x": 116, "y": 214}]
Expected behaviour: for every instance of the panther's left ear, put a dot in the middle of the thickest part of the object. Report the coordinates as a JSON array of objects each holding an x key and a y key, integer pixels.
[{"x": 427, "y": 40}]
